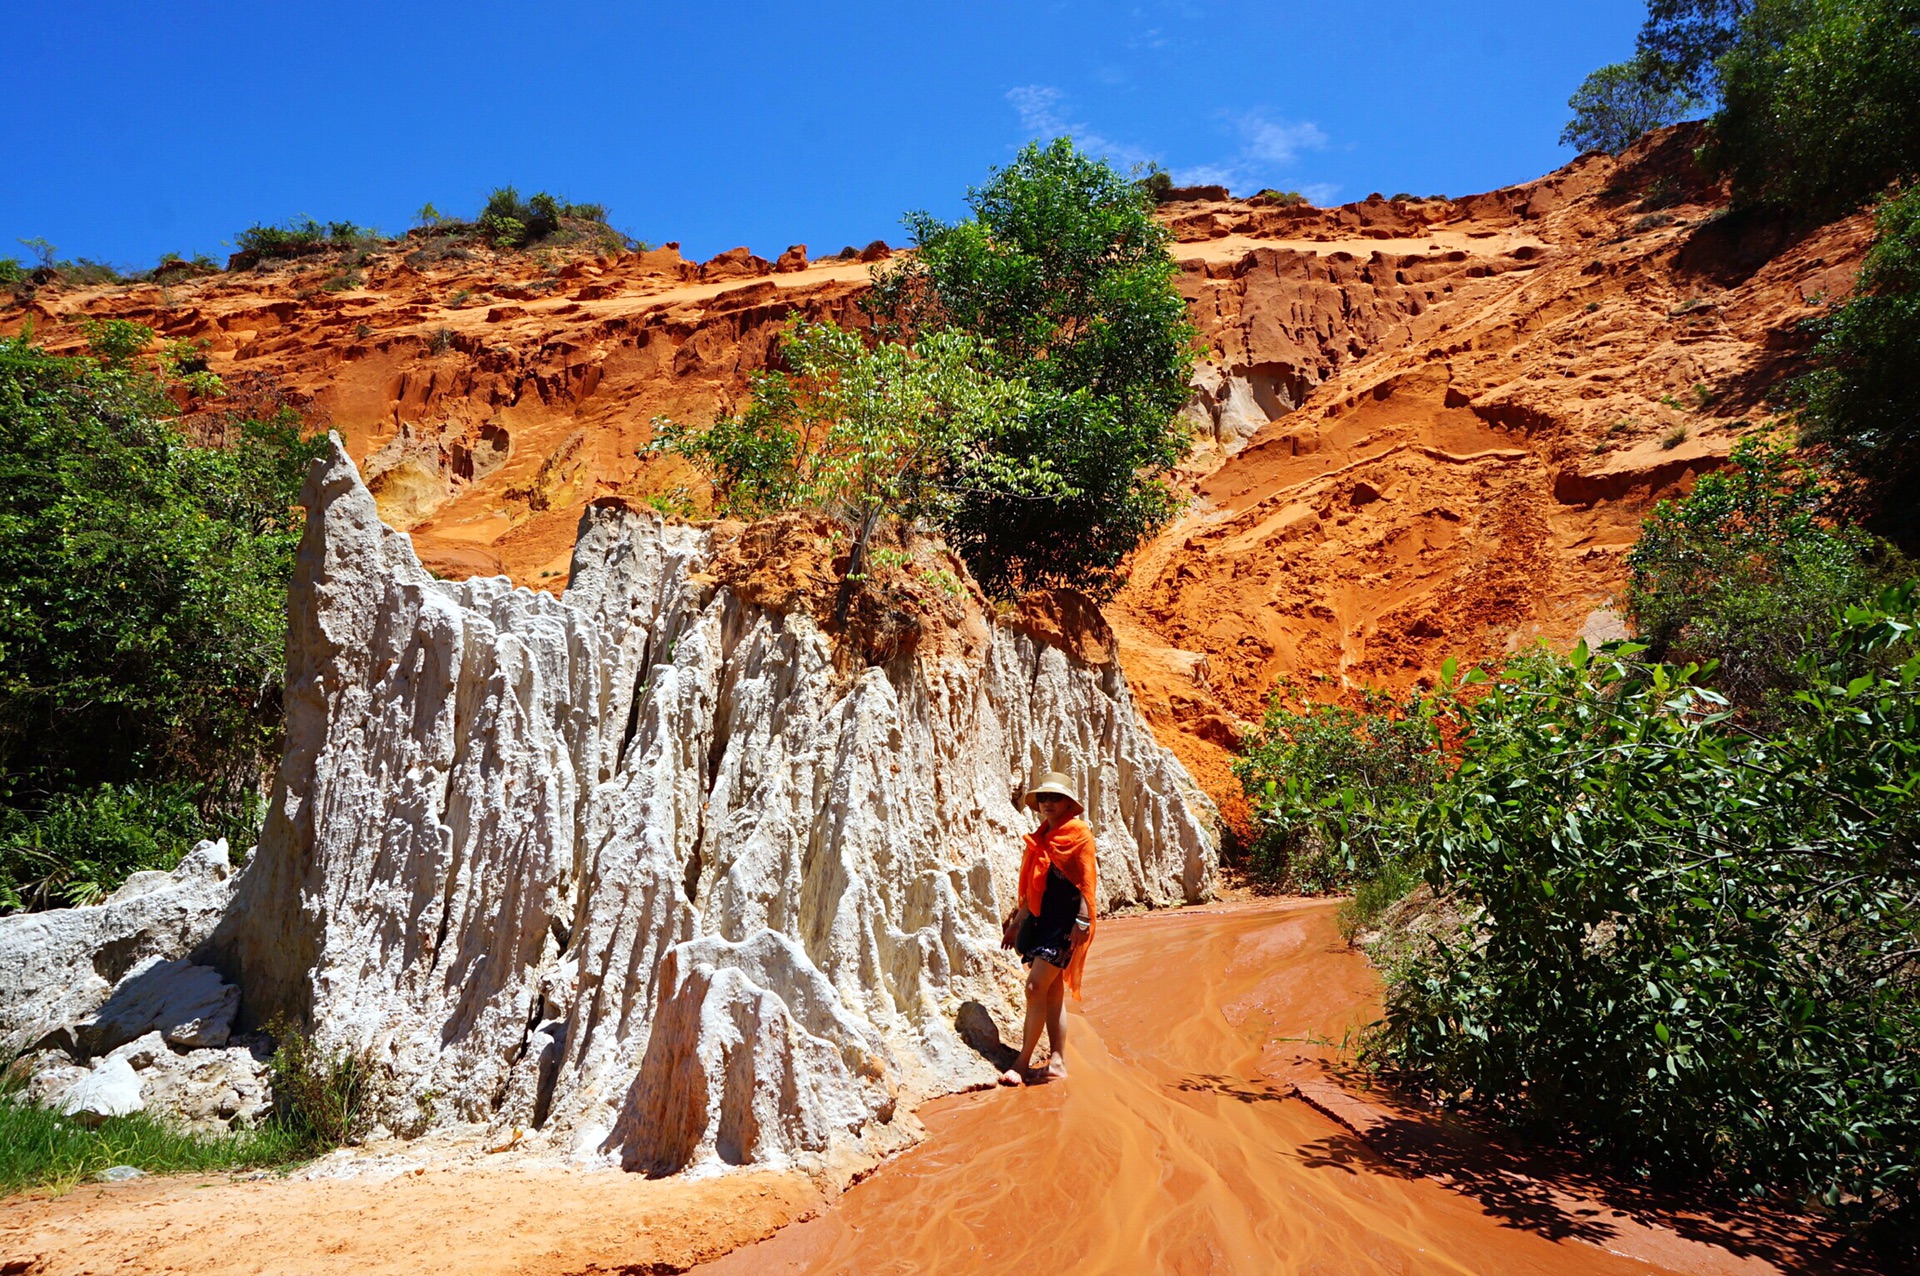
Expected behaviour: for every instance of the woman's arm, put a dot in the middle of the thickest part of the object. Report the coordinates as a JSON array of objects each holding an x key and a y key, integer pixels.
[{"x": 1011, "y": 931}]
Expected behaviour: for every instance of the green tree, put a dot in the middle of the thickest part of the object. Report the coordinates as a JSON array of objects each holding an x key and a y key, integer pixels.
[
  {"x": 1333, "y": 787},
  {"x": 1682, "y": 41},
  {"x": 1863, "y": 399},
  {"x": 1821, "y": 103},
  {"x": 1063, "y": 271},
  {"x": 1622, "y": 102},
  {"x": 894, "y": 431},
  {"x": 142, "y": 619},
  {"x": 1745, "y": 574}
]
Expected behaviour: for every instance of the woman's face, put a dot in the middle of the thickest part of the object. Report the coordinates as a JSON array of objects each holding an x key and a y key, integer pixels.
[{"x": 1051, "y": 805}]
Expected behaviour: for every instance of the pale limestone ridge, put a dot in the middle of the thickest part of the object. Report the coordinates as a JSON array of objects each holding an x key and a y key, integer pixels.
[{"x": 642, "y": 871}]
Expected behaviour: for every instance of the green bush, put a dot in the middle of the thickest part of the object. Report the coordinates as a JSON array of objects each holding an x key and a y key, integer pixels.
[
  {"x": 1333, "y": 787},
  {"x": 329, "y": 1098},
  {"x": 77, "y": 846},
  {"x": 512, "y": 222},
  {"x": 1622, "y": 102},
  {"x": 142, "y": 616},
  {"x": 1744, "y": 574},
  {"x": 301, "y": 237},
  {"x": 1821, "y": 103},
  {"x": 1155, "y": 183},
  {"x": 1691, "y": 945},
  {"x": 1863, "y": 399},
  {"x": 1064, "y": 273}
]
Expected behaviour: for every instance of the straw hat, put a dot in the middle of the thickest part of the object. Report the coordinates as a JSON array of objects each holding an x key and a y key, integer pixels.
[{"x": 1056, "y": 782}]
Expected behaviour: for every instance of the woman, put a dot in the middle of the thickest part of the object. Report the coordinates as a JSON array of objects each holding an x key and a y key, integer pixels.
[{"x": 1053, "y": 923}]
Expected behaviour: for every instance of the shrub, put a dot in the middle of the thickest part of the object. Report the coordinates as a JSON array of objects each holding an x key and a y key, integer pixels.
[
  {"x": 1332, "y": 786},
  {"x": 1155, "y": 183},
  {"x": 1744, "y": 575},
  {"x": 512, "y": 222},
  {"x": 77, "y": 846},
  {"x": 301, "y": 237},
  {"x": 1863, "y": 399},
  {"x": 1283, "y": 199},
  {"x": 1064, "y": 273},
  {"x": 10, "y": 271},
  {"x": 1691, "y": 945},
  {"x": 142, "y": 616},
  {"x": 1620, "y": 103},
  {"x": 330, "y": 1097}
]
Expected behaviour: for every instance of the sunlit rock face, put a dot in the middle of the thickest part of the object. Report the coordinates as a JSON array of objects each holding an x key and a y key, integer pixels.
[{"x": 654, "y": 872}]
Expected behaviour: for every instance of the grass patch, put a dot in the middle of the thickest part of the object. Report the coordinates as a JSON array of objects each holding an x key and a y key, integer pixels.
[
  {"x": 41, "y": 1148},
  {"x": 1392, "y": 882}
]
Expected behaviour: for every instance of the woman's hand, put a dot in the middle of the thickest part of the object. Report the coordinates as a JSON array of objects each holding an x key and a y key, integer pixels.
[
  {"x": 1010, "y": 931},
  {"x": 1082, "y": 931}
]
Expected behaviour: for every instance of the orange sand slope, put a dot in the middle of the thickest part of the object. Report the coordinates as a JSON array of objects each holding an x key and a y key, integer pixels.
[{"x": 1177, "y": 1147}]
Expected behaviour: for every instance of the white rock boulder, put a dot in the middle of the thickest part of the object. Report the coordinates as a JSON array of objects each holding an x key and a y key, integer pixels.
[
  {"x": 188, "y": 1005},
  {"x": 58, "y": 968},
  {"x": 110, "y": 1089}
]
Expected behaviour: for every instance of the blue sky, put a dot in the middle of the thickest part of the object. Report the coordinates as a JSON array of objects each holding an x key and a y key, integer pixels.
[{"x": 146, "y": 128}]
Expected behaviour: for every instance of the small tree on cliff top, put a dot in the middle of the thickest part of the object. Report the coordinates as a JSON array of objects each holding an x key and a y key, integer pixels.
[
  {"x": 1064, "y": 271},
  {"x": 904, "y": 431}
]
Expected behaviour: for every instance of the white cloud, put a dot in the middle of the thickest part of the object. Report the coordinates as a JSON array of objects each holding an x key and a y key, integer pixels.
[
  {"x": 1038, "y": 105},
  {"x": 1205, "y": 175},
  {"x": 1276, "y": 141},
  {"x": 1041, "y": 116},
  {"x": 1267, "y": 145}
]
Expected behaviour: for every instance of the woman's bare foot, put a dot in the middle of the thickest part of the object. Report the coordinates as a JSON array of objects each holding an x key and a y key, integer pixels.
[
  {"x": 1013, "y": 1076},
  {"x": 1057, "y": 1068}
]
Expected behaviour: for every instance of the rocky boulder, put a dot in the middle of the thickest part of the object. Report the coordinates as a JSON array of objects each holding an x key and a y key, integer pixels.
[{"x": 62, "y": 967}]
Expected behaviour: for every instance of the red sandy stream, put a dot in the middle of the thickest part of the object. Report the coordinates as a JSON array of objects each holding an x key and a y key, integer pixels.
[{"x": 1178, "y": 1146}]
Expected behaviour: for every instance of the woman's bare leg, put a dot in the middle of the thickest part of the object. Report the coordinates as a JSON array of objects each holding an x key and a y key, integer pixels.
[
  {"x": 1042, "y": 976},
  {"x": 1057, "y": 1028}
]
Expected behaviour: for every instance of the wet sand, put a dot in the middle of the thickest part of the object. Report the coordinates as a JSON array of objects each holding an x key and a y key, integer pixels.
[{"x": 1179, "y": 1146}]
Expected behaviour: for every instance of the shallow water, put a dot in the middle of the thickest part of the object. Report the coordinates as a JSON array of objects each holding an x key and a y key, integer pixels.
[{"x": 1175, "y": 1145}]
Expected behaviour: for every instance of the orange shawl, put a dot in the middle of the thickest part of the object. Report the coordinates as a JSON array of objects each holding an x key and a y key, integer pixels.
[{"x": 1068, "y": 848}]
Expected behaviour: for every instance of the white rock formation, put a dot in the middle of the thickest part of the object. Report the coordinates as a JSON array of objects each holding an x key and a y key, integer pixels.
[
  {"x": 647, "y": 870},
  {"x": 58, "y": 968},
  {"x": 1231, "y": 404}
]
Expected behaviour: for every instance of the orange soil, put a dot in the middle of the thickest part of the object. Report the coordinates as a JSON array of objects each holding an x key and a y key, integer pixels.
[
  {"x": 1179, "y": 1145},
  {"x": 479, "y": 1221},
  {"x": 1465, "y": 399}
]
